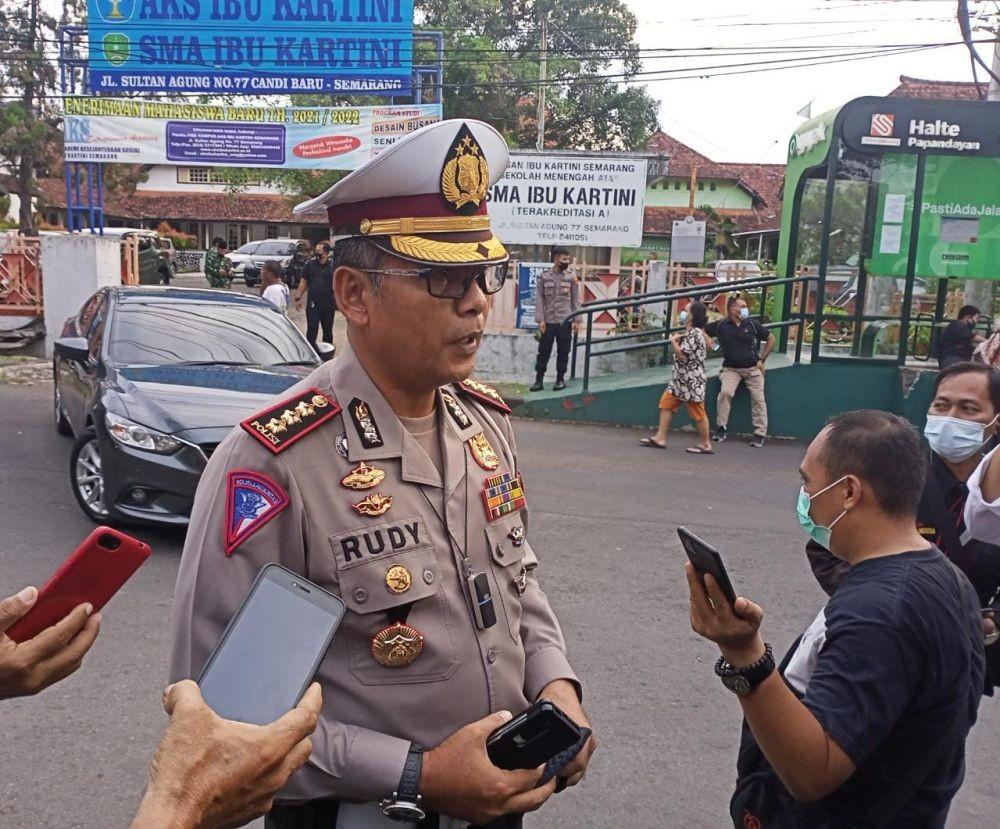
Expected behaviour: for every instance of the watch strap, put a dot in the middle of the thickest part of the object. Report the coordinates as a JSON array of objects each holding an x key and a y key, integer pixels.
[
  {"x": 754, "y": 674},
  {"x": 409, "y": 783}
]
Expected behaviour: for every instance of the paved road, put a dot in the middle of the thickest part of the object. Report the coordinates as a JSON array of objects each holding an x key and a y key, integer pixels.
[{"x": 604, "y": 512}]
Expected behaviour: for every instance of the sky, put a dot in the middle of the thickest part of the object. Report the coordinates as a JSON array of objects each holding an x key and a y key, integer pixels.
[{"x": 750, "y": 118}]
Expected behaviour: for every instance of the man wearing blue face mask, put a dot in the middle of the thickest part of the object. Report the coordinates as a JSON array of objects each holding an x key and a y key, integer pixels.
[
  {"x": 865, "y": 721},
  {"x": 961, "y": 424},
  {"x": 740, "y": 339}
]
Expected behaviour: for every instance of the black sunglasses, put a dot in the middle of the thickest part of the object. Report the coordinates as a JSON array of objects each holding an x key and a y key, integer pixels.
[{"x": 454, "y": 283}]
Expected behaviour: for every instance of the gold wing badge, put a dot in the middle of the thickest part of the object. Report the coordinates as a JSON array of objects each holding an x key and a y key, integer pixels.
[{"x": 465, "y": 177}]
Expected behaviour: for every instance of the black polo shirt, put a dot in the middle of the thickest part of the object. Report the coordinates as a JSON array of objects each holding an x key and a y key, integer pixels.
[
  {"x": 740, "y": 343},
  {"x": 956, "y": 341},
  {"x": 319, "y": 278}
]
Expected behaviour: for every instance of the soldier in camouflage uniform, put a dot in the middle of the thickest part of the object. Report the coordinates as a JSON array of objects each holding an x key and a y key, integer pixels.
[{"x": 218, "y": 269}]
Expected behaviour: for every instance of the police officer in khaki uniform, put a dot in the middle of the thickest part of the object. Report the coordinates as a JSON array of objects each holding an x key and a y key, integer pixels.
[
  {"x": 391, "y": 479},
  {"x": 557, "y": 295}
]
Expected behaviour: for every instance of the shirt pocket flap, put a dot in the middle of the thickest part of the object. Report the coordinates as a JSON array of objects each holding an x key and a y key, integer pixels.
[
  {"x": 506, "y": 537},
  {"x": 391, "y": 581}
]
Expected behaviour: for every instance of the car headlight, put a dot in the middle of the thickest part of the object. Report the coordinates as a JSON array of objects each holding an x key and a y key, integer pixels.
[{"x": 129, "y": 433}]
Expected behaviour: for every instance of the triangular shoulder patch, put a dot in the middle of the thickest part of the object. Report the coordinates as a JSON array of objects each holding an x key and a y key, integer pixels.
[
  {"x": 484, "y": 394},
  {"x": 282, "y": 424}
]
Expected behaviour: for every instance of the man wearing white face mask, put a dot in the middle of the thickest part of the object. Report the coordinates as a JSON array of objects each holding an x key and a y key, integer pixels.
[
  {"x": 961, "y": 423},
  {"x": 865, "y": 721}
]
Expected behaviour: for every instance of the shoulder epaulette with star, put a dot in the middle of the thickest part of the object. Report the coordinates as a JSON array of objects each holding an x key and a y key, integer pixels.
[
  {"x": 484, "y": 394},
  {"x": 279, "y": 426}
]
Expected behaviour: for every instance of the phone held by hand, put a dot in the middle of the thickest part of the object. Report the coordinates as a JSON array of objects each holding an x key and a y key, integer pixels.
[
  {"x": 271, "y": 649},
  {"x": 532, "y": 738},
  {"x": 706, "y": 559},
  {"x": 93, "y": 573}
]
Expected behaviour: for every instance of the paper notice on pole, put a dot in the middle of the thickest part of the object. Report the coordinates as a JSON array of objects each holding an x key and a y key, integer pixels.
[
  {"x": 895, "y": 207},
  {"x": 892, "y": 239}
]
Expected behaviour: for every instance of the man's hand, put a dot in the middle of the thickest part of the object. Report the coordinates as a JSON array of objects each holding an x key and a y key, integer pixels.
[
  {"x": 541, "y": 327},
  {"x": 760, "y": 365},
  {"x": 211, "y": 772},
  {"x": 31, "y": 666},
  {"x": 459, "y": 780},
  {"x": 735, "y": 629},
  {"x": 563, "y": 694},
  {"x": 576, "y": 326}
]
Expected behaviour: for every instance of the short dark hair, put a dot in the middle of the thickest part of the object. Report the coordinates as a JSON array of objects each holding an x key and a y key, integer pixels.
[
  {"x": 559, "y": 250},
  {"x": 699, "y": 314},
  {"x": 733, "y": 299},
  {"x": 272, "y": 266},
  {"x": 355, "y": 252},
  {"x": 881, "y": 449},
  {"x": 991, "y": 374},
  {"x": 967, "y": 310},
  {"x": 219, "y": 242}
]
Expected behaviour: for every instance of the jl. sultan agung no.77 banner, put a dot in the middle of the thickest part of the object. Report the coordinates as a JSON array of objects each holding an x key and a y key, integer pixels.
[{"x": 159, "y": 132}]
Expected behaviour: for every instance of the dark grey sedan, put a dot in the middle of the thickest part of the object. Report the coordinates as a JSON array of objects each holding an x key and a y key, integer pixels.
[{"x": 150, "y": 380}]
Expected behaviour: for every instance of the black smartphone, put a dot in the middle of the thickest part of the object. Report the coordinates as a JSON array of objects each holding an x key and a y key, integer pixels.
[
  {"x": 532, "y": 738},
  {"x": 706, "y": 559},
  {"x": 271, "y": 648}
]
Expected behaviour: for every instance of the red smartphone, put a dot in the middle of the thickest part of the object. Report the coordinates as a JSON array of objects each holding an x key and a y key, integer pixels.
[{"x": 94, "y": 573}]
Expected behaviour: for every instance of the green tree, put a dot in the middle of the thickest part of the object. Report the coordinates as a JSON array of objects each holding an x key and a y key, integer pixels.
[
  {"x": 492, "y": 69},
  {"x": 721, "y": 230}
]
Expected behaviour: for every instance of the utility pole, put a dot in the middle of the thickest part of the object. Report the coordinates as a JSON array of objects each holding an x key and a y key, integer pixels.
[
  {"x": 542, "y": 73},
  {"x": 26, "y": 167},
  {"x": 994, "y": 93}
]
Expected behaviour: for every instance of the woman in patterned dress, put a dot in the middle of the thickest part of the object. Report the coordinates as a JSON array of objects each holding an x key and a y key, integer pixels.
[{"x": 687, "y": 385}]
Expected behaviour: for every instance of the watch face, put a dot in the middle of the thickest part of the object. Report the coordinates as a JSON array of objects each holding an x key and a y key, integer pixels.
[
  {"x": 403, "y": 812},
  {"x": 737, "y": 684}
]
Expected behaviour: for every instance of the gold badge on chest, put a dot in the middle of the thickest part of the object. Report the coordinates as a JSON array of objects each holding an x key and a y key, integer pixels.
[
  {"x": 483, "y": 453},
  {"x": 374, "y": 505},
  {"x": 397, "y": 645},
  {"x": 363, "y": 476},
  {"x": 398, "y": 579}
]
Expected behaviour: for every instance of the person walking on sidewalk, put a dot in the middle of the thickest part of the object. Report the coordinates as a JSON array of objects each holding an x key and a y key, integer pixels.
[
  {"x": 687, "y": 386},
  {"x": 742, "y": 362},
  {"x": 557, "y": 295},
  {"x": 218, "y": 269},
  {"x": 317, "y": 280}
]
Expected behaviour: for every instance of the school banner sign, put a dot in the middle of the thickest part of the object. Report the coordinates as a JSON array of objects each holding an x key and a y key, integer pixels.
[
  {"x": 547, "y": 199},
  {"x": 159, "y": 132},
  {"x": 251, "y": 47}
]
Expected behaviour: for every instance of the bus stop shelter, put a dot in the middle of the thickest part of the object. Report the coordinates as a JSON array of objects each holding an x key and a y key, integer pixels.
[{"x": 893, "y": 204}]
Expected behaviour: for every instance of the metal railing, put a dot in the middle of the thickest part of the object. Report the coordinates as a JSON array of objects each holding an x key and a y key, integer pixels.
[{"x": 797, "y": 319}]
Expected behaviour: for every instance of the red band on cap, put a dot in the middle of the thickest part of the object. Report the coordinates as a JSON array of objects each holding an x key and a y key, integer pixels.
[{"x": 396, "y": 207}]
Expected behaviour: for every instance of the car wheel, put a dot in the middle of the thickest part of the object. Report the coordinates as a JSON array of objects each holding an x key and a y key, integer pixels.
[
  {"x": 86, "y": 476},
  {"x": 62, "y": 424}
]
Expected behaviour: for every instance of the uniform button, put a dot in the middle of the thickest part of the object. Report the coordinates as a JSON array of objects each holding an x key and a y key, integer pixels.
[
  {"x": 360, "y": 595},
  {"x": 491, "y": 655},
  {"x": 428, "y": 576}
]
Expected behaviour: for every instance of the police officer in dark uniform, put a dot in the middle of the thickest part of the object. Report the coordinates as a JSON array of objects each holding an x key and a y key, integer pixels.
[{"x": 961, "y": 425}]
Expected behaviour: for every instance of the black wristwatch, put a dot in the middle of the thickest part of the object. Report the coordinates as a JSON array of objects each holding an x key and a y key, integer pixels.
[
  {"x": 742, "y": 681},
  {"x": 404, "y": 805}
]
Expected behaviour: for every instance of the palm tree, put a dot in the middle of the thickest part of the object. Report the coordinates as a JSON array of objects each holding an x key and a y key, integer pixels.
[{"x": 722, "y": 229}]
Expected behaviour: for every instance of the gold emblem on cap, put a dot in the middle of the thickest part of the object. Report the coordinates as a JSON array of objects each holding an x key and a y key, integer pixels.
[
  {"x": 466, "y": 175},
  {"x": 483, "y": 452},
  {"x": 365, "y": 226},
  {"x": 363, "y": 476},
  {"x": 376, "y": 504},
  {"x": 398, "y": 579},
  {"x": 397, "y": 645}
]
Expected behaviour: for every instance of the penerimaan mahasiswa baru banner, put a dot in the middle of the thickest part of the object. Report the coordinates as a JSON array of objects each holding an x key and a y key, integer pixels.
[{"x": 132, "y": 131}]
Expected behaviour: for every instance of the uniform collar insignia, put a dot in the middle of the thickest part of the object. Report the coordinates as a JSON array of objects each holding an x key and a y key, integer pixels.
[
  {"x": 465, "y": 176},
  {"x": 293, "y": 418},
  {"x": 364, "y": 422},
  {"x": 252, "y": 499},
  {"x": 458, "y": 414}
]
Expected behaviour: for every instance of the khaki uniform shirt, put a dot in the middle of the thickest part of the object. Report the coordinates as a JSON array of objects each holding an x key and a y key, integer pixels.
[
  {"x": 557, "y": 295},
  {"x": 371, "y": 713}
]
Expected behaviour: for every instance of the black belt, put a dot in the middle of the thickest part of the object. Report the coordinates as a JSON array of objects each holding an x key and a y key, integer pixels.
[{"x": 322, "y": 814}]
